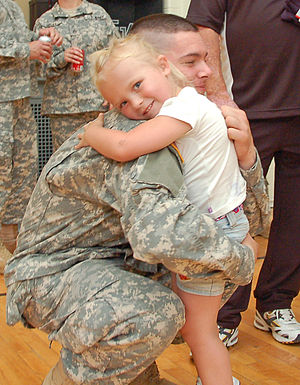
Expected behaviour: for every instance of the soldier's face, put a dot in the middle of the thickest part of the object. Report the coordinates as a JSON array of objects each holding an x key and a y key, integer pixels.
[
  {"x": 187, "y": 51},
  {"x": 136, "y": 88}
]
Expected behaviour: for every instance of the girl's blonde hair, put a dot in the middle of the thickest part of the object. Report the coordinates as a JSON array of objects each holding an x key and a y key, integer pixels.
[{"x": 133, "y": 46}]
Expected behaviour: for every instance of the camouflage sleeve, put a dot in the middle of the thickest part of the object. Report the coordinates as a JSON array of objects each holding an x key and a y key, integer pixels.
[
  {"x": 162, "y": 226},
  {"x": 10, "y": 48},
  {"x": 257, "y": 203},
  {"x": 13, "y": 50},
  {"x": 57, "y": 64}
]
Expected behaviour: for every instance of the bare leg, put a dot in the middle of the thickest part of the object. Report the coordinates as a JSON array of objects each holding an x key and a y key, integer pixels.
[{"x": 201, "y": 334}]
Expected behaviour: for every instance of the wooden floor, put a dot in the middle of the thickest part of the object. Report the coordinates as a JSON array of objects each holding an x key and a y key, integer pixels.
[{"x": 257, "y": 359}]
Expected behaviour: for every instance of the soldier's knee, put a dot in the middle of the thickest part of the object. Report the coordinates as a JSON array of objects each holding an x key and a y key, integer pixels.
[{"x": 168, "y": 317}]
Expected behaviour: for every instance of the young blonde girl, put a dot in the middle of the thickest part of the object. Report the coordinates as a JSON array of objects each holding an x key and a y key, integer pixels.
[{"x": 143, "y": 85}]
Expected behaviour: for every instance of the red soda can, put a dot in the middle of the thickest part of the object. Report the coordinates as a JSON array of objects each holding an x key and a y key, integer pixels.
[{"x": 78, "y": 67}]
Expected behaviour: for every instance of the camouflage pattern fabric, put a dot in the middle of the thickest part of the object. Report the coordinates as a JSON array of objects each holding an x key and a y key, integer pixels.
[
  {"x": 257, "y": 205},
  {"x": 112, "y": 324},
  {"x": 14, "y": 52},
  {"x": 89, "y": 28},
  {"x": 18, "y": 159},
  {"x": 67, "y": 276},
  {"x": 63, "y": 126},
  {"x": 18, "y": 129}
]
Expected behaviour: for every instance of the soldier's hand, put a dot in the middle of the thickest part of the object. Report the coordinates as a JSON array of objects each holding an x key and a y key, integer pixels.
[
  {"x": 73, "y": 55},
  {"x": 40, "y": 50},
  {"x": 55, "y": 36},
  {"x": 250, "y": 242},
  {"x": 239, "y": 132}
]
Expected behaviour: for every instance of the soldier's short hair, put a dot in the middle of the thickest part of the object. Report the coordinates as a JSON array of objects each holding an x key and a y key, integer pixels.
[
  {"x": 159, "y": 29},
  {"x": 163, "y": 23}
]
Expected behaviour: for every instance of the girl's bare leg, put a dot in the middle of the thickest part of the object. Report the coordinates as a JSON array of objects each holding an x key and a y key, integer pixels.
[{"x": 201, "y": 334}]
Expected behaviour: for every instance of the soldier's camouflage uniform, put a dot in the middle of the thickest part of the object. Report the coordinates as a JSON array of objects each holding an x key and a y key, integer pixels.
[
  {"x": 70, "y": 99},
  {"x": 72, "y": 273},
  {"x": 18, "y": 129}
]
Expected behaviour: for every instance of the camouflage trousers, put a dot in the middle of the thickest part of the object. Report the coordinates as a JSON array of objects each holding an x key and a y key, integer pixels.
[
  {"x": 64, "y": 125},
  {"x": 18, "y": 159},
  {"x": 111, "y": 323}
]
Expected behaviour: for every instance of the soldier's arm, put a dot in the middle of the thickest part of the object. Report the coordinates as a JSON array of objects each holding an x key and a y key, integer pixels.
[
  {"x": 257, "y": 203},
  {"x": 10, "y": 49},
  {"x": 162, "y": 226},
  {"x": 257, "y": 207},
  {"x": 57, "y": 64}
]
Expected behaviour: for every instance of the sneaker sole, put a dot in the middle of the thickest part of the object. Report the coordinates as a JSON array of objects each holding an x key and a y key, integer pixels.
[
  {"x": 261, "y": 324},
  {"x": 234, "y": 380},
  {"x": 231, "y": 342}
]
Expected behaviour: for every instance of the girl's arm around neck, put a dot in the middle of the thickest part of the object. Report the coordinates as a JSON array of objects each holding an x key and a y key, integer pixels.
[{"x": 145, "y": 138}]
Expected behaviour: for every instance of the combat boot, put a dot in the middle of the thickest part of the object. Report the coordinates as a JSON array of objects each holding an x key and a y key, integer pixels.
[
  {"x": 150, "y": 376},
  {"x": 57, "y": 376},
  {"x": 8, "y": 236}
]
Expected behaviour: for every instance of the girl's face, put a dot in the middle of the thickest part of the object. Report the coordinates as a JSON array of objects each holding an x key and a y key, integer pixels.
[{"x": 136, "y": 88}]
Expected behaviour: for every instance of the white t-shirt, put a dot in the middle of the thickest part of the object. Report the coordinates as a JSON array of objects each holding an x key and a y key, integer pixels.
[{"x": 211, "y": 169}]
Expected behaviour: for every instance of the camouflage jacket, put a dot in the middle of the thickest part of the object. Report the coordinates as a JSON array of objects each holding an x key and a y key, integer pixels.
[
  {"x": 86, "y": 206},
  {"x": 90, "y": 28},
  {"x": 14, "y": 52}
]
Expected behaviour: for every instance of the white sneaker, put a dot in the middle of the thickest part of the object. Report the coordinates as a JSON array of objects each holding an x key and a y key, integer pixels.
[
  {"x": 282, "y": 323},
  {"x": 229, "y": 337},
  {"x": 235, "y": 381}
]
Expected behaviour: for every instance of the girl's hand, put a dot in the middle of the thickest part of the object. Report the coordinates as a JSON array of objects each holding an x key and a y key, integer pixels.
[
  {"x": 82, "y": 141},
  {"x": 107, "y": 105},
  {"x": 99, "y": 121}
]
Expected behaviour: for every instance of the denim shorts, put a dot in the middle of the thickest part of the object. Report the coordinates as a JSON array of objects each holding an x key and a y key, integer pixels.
[{"x": 235, "y": 225}]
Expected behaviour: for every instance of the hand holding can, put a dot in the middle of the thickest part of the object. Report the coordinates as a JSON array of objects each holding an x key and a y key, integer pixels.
[
  {"x": 45, "y": 39},
  {"x": 78, "y": 67}
]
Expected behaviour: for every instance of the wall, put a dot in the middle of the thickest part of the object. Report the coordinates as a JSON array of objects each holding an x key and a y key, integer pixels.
[
  {"x": 178, "y": 7},
  {"x": 24, "y": 4}
]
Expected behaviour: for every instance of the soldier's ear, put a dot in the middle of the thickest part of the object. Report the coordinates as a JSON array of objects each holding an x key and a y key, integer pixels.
[{"x": 163, "y": 64}]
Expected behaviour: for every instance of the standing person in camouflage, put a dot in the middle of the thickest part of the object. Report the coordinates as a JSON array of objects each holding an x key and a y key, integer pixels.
[
  {"x": 18, "y": 129},
  {"x": 72, "y": 275},
  {"x": 70, "y": 99}
]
